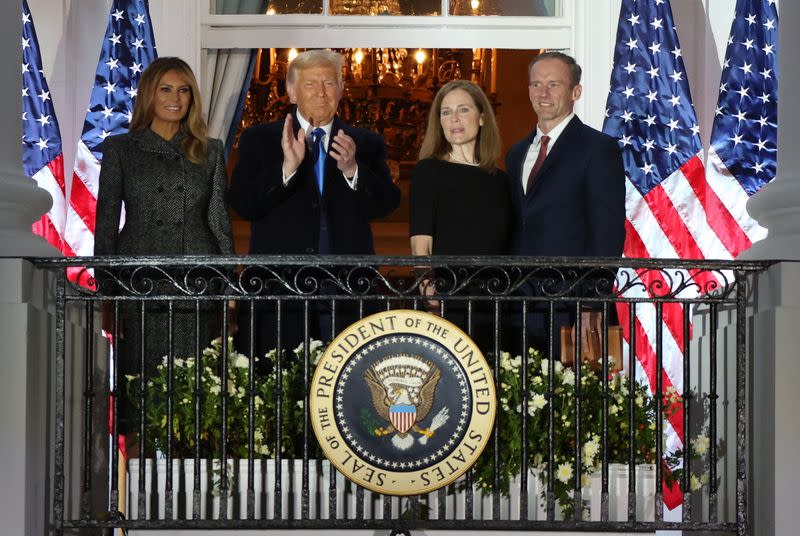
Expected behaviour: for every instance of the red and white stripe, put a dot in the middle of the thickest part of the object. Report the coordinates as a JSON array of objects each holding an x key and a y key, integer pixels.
[
  {"x": 79, "y": 234},
  {"x": 403, "y": 420},
  {"x": 685, "y": 217},
  {"x": 82, "y": 210},
  {"x": 743, "y": 230},
  {"x": 51, "y": 225}
]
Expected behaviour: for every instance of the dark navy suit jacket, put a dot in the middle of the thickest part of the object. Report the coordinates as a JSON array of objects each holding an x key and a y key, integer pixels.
[
  {"x": 576, "y": 206},
  {"x": 286, "y": 219}
]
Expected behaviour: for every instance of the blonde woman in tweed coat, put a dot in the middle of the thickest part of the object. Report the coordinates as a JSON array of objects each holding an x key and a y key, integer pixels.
[{"x": 172, "y": 181}]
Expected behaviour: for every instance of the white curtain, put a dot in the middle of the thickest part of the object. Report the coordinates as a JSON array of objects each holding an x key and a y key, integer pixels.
[{"x": 228, "y": 70}]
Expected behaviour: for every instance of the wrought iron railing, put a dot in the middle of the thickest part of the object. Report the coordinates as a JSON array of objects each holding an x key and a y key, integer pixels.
[{"x": 506, "y": 303}]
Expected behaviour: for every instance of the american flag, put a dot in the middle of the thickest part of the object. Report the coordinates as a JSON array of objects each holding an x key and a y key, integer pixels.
[
  {"x": 42, "y": 159},
  {"x": 744, "y": 140},
  {"x": 128, "y": 48},
  {"x": 668, "y": 201}
]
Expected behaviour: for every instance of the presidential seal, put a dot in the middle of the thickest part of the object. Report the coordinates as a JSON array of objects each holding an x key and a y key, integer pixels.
[{"x": 402, "y": 402}]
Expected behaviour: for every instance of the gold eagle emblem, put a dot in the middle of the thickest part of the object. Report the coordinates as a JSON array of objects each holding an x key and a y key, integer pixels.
[{"x": 403, "y": 389}]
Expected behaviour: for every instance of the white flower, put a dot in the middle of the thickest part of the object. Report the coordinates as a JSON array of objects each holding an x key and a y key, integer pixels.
[
  {"x": 701, "y": 445},
  {"x": 179, "y": 362},
  {"x": 590, "y": 450},
  {"x": 613, "y": 409},
  {"x": 537, "y": 402},
  {"x": 231, "y": 387},
  {"x": 639, "y": 401},
  {"x": 545, "y": 367},
  {"x": 568, "y": 377},
  {"x": 263, "y": 450},
  {"x": 240, "y": 361},
  {"x": 559, "y": 366},
  {"x": 300, "y": 404},
  {"x": 214, "y": 389},
  {"x": 564, "y": 472},
  {"x": 585, "y": 481},
  {"x": 537, "y": 380},
  {"x": 694, "y": 483},
  {"x": 505, "y": 361}
]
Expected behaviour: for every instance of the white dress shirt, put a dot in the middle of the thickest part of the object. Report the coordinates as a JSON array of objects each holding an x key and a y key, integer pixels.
[{"x": 533, "y": 150}]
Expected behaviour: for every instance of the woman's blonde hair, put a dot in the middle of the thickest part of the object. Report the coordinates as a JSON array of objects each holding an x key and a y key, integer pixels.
[
  {"x": 195, "y": 145},
  {"x": 487, "y": 146}
]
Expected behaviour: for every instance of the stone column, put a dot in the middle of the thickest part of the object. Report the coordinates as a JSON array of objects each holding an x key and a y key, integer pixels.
[
  {"x": 777, "y": 205},
  {"x": 22, "y": 202},
  {"x": 775, "y": 369}
]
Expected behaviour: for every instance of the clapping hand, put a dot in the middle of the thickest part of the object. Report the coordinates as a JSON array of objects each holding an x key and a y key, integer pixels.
[
  {"x": 294, "y": 147},
  {"x": 343, "y": 151}
]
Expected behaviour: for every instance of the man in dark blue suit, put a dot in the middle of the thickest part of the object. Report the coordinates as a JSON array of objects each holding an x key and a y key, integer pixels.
[
  {"x": 310, "y": 184},
  {"x": 568, "y": 181}
]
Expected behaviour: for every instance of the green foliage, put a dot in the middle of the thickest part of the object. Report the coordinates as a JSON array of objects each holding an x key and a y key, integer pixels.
[
  {"x": 265, "y": 397},
  {"x": 511, "y": 414}
]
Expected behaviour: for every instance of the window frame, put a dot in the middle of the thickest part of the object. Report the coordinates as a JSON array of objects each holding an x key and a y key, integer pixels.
[{"x": 341, "y": 31}]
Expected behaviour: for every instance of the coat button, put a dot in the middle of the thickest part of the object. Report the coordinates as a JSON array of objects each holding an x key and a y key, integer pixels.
[
  {"x": 160, "y": 189},
  {"x": 180, "y": 187},
  {"x": 309, "y": 250},
  {"x": 159, "y": 223}
]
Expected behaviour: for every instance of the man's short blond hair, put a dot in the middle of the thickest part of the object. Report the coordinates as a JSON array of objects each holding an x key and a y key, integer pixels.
[{"x": 316, "y": 58}]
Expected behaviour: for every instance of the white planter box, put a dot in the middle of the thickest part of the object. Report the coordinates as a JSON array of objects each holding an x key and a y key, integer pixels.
[{"x": 291, "y": 494}]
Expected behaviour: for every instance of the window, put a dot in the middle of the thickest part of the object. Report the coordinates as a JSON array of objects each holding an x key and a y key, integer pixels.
[{"x": 529, "y": 8}]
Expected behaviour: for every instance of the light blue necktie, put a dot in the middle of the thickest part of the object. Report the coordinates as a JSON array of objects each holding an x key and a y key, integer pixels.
[{"x": 319, "y": 156}]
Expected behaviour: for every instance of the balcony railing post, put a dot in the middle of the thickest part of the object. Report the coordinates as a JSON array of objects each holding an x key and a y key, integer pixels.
[
  {"x": 60, "y": 403},
  {"x": 743, "y": 468}
]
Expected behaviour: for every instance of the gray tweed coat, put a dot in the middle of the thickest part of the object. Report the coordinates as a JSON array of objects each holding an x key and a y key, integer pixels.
[{"x": 172, "y": 207}]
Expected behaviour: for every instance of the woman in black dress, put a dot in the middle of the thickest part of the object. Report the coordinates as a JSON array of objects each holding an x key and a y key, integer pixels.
[{"x": 460, "y": 203}]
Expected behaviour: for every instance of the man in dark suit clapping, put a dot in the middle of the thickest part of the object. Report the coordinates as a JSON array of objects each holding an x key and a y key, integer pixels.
[
  {"x": 568, "y": 180},
  {"x": 310, "y": 184}
]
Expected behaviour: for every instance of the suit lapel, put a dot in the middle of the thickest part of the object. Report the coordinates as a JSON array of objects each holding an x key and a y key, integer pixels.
[
  {"x": 558, "y": 152},
  {"x": 519, "y": 191}
]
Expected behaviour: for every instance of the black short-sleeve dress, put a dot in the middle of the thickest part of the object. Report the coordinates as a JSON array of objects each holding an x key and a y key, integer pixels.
[{"x": 467, "y": 211}]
